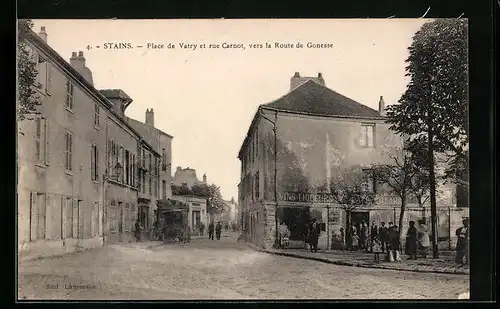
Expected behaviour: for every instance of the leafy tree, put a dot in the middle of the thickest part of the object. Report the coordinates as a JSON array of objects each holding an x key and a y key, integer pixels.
[
  {"x": 27, "y": 70},
  {"x": 406, "y": 176},
  {"x": 434, "y": 108},
  {"x": 215, "y": 202},
  {"x": 349, "y": 191}
]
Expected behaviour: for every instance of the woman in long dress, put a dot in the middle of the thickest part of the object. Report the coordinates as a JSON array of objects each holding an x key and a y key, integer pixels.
[
  {"x": 424, "y": 241},
  {"x": 411, "y": 241},
  {"x": 284, "y": 235}
]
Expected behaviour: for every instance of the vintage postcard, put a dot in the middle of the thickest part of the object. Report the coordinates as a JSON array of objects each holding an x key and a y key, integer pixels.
[{"x": 242, "y": 159}]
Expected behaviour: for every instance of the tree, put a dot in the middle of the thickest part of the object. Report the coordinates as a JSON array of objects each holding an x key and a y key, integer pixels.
[
  {"x": 406, "y": 176},
  {"x": 434, "y": 107},
  {"x": 27, "y": 70},
  {"x": 349, "y": 191},
  {"x": 215, "y": 202}
]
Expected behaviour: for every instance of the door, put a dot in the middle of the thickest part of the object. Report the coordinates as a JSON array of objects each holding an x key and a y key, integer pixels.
[
  {"x": 358, "y": 217},
  {"x": 195, "y": 220}
]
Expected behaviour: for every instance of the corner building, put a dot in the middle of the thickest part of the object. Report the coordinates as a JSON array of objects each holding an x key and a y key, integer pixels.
[{"x": 315, "y": 132}]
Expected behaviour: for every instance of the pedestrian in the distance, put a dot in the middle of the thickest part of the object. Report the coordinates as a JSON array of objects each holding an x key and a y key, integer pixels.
[
  {"x": 211, "y": 228},
  {"x": 202, "y": 228},
  {"x": 218, "y": 230},
  {"x": 374, "y": 233},
  {"x": 342, "y": 238},
  {"x": 138, "y": 230},
  {"x": 411, "y": 241},
  {"x": 462, "y": 233},
  {"x": 354, "y": 241},
  {"x": 350, "y": 233}
]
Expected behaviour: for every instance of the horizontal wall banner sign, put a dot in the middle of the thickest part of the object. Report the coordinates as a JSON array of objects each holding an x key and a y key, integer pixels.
[{"x": 306, "y": 197}]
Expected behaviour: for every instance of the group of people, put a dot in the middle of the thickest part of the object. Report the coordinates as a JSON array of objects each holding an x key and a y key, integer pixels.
[
  {"x": 386, "y": 240},
  {"x": 227, "y": 227},
  {"x": 214, "y": 227}
]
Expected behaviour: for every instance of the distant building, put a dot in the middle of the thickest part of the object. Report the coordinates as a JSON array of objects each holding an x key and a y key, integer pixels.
[
  {"x": 231, "y": 213},
  {"x": 186, "y": 178},
  {"x": 318, "y": 132}
]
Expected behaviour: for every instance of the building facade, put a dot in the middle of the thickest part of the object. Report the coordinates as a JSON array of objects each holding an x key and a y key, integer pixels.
[
  {"x": 78, "y": 160},
  {"x": 317, "y": 134}
]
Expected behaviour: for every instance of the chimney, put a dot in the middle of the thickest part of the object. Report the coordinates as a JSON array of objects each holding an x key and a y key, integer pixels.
[
  {"x": 150, "y": 117},
  {"x": 232, "y": 200},
  {"x": 43, "y": 34},
  {"x": 78, "y": 63},
  {"x": 178, "y": 169},
  {"x": 381, "y": 106},
  {"x": 295, "y": 81},
  {"x": 205, "y": 178}
]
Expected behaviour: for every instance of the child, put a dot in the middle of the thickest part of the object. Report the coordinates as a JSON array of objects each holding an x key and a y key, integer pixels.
[
  {"x": 355, "y": 241},
  {"x": 376, "y": 248}
]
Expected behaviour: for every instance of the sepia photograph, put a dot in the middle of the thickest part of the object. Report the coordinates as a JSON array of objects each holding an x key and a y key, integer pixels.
[{"x": 263, "y": 159}]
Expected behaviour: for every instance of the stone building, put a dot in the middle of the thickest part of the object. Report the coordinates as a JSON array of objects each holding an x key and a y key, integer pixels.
[
  {"x": 317, "y": 134},
  {"x": 186, "y": 178},
  {"x": 78, "y": 160}
]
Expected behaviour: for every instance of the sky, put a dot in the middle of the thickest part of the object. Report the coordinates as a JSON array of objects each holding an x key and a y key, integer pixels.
[{"x": 206, "y": 98}]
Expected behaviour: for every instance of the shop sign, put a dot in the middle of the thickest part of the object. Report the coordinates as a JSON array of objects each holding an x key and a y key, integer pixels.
[{"x": 306, "y": 197}]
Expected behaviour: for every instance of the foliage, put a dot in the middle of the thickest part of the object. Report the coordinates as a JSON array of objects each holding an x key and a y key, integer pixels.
[
  {"x": 436, "y": 99},
  {"x": 348, "y": 190},
  {"x": 407, "y": 175},
  {"x": 27, "y": 97}
]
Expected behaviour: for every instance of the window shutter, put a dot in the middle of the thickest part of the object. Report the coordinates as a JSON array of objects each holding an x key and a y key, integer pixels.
[
  {"x": 70, "y": 152},
  {"x": 47, "y": 142},
  {"x": 49, "y": 77},
  {"x": 37, "y": 138},
  {"x": 96, "y": 163},
  {"x": 92, "y": 162}
]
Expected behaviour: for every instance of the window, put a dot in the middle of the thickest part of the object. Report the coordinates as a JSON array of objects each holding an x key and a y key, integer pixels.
[
  {"x": 94, "y": 163},
  {"x": 368, "y": 184},
  {"x": 150, "y": 163},
  {"x": 96, "y": 114},
  {"x": 164, "y": 159},
  {"x": 122, "y": 164},
  {"x": 257, "y": 143},
  {"x": 143, "y": 182},
  {"x": 113, "y": 217},
  {"x": 150, "y": 187},
  {"x": 42, "y": 140},
  {"x": 127, "y": 218},
  {"x": 48, "y": 77},
  {"x": 367, "y": 131},
  {"x": 94, "y": 224},
  {"x": 133, "y": 169},
  {"x": 69, "y": 152},
  {"x": 69, "y": 95},
  {"x": 164, "y": 189}
]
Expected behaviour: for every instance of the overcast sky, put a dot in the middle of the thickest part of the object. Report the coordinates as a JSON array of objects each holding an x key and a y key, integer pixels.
[{"x": 206, "y": 98}]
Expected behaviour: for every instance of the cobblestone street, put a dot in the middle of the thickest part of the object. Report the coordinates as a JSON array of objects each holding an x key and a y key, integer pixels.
[{"x": 224, "y": 269}]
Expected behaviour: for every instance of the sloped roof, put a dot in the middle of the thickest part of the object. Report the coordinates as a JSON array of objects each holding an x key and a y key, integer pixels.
[{"x": 313, "y": 98}]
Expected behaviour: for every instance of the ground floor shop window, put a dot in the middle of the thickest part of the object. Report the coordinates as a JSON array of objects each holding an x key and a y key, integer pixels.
[{"x": 297, "y": 220}]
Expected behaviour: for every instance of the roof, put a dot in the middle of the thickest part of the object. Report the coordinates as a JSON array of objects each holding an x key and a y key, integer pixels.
[
  {"x": 313, "y": 98},
  {"x": 34, "y": 39}
]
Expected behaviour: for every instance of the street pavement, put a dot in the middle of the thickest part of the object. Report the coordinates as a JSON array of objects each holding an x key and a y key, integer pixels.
[{"x": 217, "y": 269}]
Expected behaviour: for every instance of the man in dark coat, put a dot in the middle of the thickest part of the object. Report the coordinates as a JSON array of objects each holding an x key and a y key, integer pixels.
[
  {"x": 373, "y": 233},
  {"x": 211, "y": 228},
  {"x": 314, "y": 231},
  {"x": 462, "y": 233},
  {"x": 138, "y": 230},
  {"x": 382, "y": 232},
  {"x": 218, "y": 230}
]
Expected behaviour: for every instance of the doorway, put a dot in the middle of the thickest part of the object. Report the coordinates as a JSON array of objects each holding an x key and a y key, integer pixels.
[
  {"x": 360, "y": 216},
  {"x": 297, "y": 219}
]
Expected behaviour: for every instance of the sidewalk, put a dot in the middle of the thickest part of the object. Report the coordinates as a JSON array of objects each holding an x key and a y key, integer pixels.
[{"x": 444, "y": 265}]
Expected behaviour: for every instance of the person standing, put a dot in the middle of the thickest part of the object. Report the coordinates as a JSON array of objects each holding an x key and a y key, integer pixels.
[
  {"x": 342, "y": 238},
  {"x": 364, "y": 236},
  {"x": 211, "y": 231},
  {"x": 462, "y": 233},
  {"x": 424, "y": 240},
  {"x": 373, "y": 234},
  {"x": 314, "y": 231},
  {"x": 218, "y": 230},
  {"x": 382, "y": 232},
  {"x": 350, "y": 233},
  {"x": 138, "y": 230},
  {"x": 202, "y": 228},
  {"x": 411, "y": 241},
  {"x": 376, "y": 248}
]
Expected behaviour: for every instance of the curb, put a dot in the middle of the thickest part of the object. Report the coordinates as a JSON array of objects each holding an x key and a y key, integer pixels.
[{"x": 356, "y": 264}]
